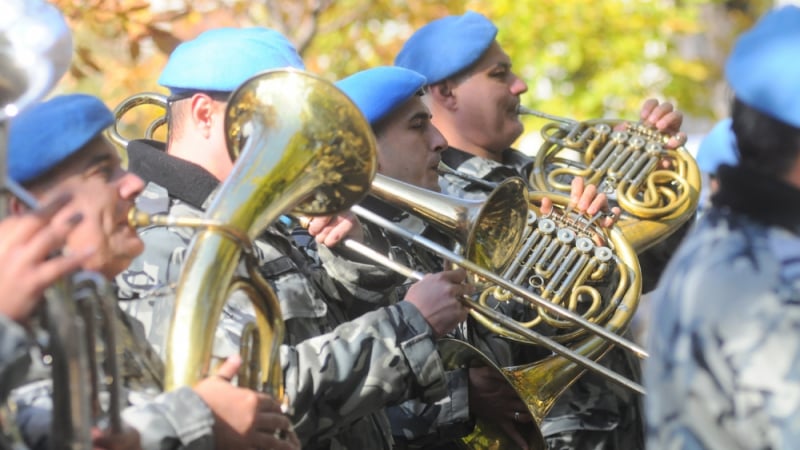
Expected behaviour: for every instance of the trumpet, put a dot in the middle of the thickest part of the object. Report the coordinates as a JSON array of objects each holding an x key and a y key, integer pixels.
[{"x": 656, "y": 187}]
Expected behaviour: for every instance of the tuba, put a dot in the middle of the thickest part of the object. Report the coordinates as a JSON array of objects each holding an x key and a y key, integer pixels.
[
  {"x": 579, "y": 279},
  {"x": 79, "y": 311},
  {"x": 657, "y": 188},
  {"x": 299, "y": 145}
]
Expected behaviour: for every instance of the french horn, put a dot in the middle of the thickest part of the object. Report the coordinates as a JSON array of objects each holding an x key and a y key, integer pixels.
[
  {"x": 579, "y": 279},
  {"x": 656, "y": 187}
]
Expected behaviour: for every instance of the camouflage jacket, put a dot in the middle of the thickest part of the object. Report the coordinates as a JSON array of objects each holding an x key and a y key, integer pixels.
[
  {"x": 339, "y": 374},
  {"x": 172, "y": 420},
  {"x": 722, "y": 372},
  {"x": 591, "y": 403}
]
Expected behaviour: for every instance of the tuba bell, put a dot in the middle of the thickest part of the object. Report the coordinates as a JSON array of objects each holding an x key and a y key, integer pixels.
[
  {"x": 299, "y": 144},
  {"x": 657, "y": 188}
]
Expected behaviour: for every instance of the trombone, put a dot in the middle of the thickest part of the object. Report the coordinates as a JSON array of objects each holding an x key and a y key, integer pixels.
[{"x": 393, "y": 191}]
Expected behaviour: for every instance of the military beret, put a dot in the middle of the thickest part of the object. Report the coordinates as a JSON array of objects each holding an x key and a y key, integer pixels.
[
  {"x": 380, "y": 90},
  {"x": 718, "y": 147},
  {"x": 221, "y": 59},
  {"x": 764, "y": 67},
  {"x": 49, "y": 132},
  {"x": 447, "y": 46}
]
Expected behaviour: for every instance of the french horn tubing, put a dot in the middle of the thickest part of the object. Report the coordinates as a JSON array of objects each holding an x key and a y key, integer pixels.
[{"x": 657, "y": 188}]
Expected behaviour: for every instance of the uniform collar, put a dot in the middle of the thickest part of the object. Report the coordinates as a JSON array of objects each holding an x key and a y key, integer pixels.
[
  {"x": 183, "y": 180},
  {"x": 762, "y": 198}
]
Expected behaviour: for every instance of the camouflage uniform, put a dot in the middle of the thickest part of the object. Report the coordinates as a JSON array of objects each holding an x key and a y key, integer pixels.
[
  {"x": 176, "y": 419},
  {"x": 722, "y": 372},
  {"x": 418, "y": 424},
  {"x": 339, "y": 375},
  {"x": 593, "y": 413}
]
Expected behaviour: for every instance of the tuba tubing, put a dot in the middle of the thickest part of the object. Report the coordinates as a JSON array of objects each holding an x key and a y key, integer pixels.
[{"x": 299, "y": 144}]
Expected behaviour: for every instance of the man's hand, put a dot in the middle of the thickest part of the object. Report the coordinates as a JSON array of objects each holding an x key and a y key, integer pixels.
[
  {"x": 665, "y": 119},
  {"x": 437, "y": 297},
  {"x": 492, "y": 399},
  {"x": 127, "y": 439},
  {"x": 330, "y": 230},
  {"x": 27, "y": 242},
  {"x": 586, "y": 200},
  {"x": 244, "y": 418}
]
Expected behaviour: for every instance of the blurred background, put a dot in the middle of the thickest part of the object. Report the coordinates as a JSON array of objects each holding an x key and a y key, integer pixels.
[{"x": 582, "y": 59}]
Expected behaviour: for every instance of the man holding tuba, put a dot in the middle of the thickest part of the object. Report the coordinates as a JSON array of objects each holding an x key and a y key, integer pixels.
[
  {"x": 723, "y": 367},
  {"x": 474, "y": 97},
  {"x": 331, "y": 366},
  {"x": 57, "y": 147}
]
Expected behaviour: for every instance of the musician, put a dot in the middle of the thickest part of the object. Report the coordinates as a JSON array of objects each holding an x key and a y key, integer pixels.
[
  {"x": 473, "y": 95},
  {"x": 56, "y": 147},
  {"x": 330, "y": 365},
  {"x": 26, "y": 242},
  {"x": 722, "y": 371}
]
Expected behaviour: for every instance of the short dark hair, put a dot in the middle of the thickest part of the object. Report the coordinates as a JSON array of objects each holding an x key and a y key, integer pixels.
[
  {"x": 176, "y": 109},
  {"x": 765, "y": 144}
]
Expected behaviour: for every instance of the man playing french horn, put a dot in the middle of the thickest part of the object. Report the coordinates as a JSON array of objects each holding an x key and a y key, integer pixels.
[
  {"x": 56, "y": 148},
  {"x": 339, "y": 374},
  {"x": 474, "y": 97}
]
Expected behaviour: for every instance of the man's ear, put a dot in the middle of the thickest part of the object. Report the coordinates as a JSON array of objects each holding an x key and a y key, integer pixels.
[
  {"x": 443, "y": 93},
  {"x": 202, "y": 111},
  {"x": 15, "y": 206}
]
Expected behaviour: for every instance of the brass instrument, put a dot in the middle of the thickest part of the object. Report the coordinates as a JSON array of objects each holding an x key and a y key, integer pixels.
[
  {"x": 78, "y": 310},
  {"x": 145, "y": 98},
  {"x": 585, "y": 289},
  {"x": 657, "y": 188},
  {"x": 299, "y": 144}
]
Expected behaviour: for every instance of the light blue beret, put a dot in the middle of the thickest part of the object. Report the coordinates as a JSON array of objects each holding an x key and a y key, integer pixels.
[
  {"x": 447, "y": 46},
  {"x": 764, "y": 66},
  {"x": 221, "y": 59},
  {"x": 380, "y": 90},
  {"x": 718, "y": 147},
  {"x": 49, "y": 132}
]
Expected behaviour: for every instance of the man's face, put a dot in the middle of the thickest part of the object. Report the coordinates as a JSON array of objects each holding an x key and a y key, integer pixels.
[
  {"x": 487, "y": 100},
  {"x": 103, "y": 193},
  {"x": 409, "y": 146}
]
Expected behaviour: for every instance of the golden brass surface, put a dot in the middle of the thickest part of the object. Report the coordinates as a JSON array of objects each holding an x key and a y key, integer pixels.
[
  {"x": 488, "y": 230},
  {"x": 299, "y": 144},
  {"x": 145, "y": 98},
  {"x": 657, "y": 188}
]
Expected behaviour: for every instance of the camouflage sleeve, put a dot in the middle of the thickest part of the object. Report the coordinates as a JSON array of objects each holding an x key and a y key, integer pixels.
[
  {"x": 427, "y": 424},
  {"x": 381, "y": 358},
  {"x": 355, "y": 277},
  {"x": 175, "y": 419},
  {"x": 14, "y": 357}
]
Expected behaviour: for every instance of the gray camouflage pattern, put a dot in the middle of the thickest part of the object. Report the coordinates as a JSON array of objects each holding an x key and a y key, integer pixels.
[
  {"x": 338, "y": 374},
  {"x": 723, "y": 372}
]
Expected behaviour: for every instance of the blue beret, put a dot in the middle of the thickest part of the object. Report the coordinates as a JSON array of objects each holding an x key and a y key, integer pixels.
[
  {"x": 380, "y": 90},
  {"x": 718, "y": 147},
  {"x": 223, "y": 58},
  {"x": 447, "y": 46},
  {"x": 764, "y": 66},
  {"x": 47, "y": 133}
]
